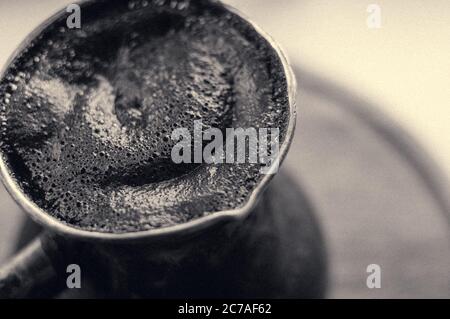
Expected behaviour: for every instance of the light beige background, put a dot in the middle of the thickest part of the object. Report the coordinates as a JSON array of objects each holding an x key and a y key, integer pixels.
[{"x": 404, "y": 66}]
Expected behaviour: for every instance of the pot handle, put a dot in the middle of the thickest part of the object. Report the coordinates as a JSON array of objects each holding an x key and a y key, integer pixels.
[{"x": 32, "y": 272}]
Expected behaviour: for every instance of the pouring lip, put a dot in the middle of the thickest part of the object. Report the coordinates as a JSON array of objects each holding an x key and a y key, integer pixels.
[{"x": 192, "y": 227}]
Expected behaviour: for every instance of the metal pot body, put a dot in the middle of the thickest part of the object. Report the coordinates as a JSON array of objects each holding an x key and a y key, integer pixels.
[{"x": 276, "y": 252}]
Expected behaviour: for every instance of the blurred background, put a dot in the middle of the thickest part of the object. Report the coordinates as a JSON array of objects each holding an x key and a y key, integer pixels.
[{"x": 372, "y": 147}]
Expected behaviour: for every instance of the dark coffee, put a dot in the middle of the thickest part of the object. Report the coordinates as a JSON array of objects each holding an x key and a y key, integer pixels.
[{"x": 87, "y": 115}]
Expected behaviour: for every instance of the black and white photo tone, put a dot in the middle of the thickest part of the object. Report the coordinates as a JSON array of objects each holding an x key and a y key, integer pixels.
[{"x": 224, "y": 155}]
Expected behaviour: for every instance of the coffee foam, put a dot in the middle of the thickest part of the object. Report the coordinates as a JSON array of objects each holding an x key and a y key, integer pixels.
[{"x": 86, "y": 115}]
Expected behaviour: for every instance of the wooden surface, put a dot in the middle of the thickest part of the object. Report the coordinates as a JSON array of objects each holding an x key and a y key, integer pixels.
[{"x": 374, "y": 206}]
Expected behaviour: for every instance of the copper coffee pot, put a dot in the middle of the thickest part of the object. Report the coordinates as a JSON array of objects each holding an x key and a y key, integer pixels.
[{"x": 269, "y": 247}]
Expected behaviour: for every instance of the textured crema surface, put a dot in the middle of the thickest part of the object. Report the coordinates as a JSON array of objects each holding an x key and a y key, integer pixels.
[{"x": 87, "y": 114}]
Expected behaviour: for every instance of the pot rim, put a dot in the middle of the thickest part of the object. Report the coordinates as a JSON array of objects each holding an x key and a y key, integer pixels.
[{"x": 59, "y": 227}]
